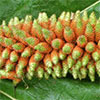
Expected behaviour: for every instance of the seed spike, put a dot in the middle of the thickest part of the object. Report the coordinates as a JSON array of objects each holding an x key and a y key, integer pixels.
[
  {"x": 40, "y": 17},
  {"x": 22, "y": 21},
  {"x": 3, "y": 23},
  {"x": 57, "y": 70},
  {"x": 85, "y": 59},
  {"x": 40, "y": 72},
  {"x": 91, "y": 73},
  {"x": 67, "y": 17},
  {"x": 52, "y": 22},
  {"x": 98, "y": 67},
  {"x": 65, "y": 68},
  {"x": 53, "y": 18},
  {"x": 46, "y": 75},
  {"x": 62, "y": 16},
  {"x": 16, "y": 20},
  {"x": 62, "y": 55},
  {"x": 28, "y": 18},
  {"x": 83, "y": 72},
  {"x": 11, "y": 22},
  {"x": 74, "y": 73},
  {"x": 49, "y": 70},
  {"x": 44, "y": 17},
  {"x": 97, "y": 31},
  {"x": 92, "y": 19},
  {"x": 89, "y": 33},
  {"x": 77, "y": 15},
  {"x": 96, "y": 55},
  {"x": 70, "y": 61},
  {"x": 85, "y": 16}
]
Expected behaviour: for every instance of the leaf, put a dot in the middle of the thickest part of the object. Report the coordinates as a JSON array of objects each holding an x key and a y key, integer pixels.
[
  {"x": 20, "y": 8},
  {"x": 60, "y": 89},
  {"x": 7, "y": 86},
  {"x": 94, "y": 7}
]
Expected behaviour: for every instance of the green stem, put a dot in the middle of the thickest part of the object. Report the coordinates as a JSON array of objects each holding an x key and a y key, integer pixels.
[
  {"x": 90, "y": 6},
  {"x": 4, "y": 93}
]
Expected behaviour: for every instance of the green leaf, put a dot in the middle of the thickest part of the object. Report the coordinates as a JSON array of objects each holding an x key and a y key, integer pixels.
[
  {"x": 20, "y": 8},
  {"x": 6, "y": 86},
  {"x": 94, "y": 7},
  {"x": 59, "y": 89}
]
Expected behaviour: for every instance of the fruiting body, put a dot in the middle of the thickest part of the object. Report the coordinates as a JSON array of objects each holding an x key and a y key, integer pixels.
[{"x": 47, "y": 46}]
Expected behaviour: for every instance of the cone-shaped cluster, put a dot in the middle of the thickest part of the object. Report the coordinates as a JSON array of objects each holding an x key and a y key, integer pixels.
[{"x": 48, "y": 47}]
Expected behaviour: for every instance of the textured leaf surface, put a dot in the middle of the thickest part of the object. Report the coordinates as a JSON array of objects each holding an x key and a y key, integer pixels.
[
  {"x": 60, "y": 89},
  {"x": 6, "y": 86},
  {"x": 20, "y": 8}
]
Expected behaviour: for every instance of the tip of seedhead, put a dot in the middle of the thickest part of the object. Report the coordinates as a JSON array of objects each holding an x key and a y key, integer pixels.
[
  {"x": 46, "y": 75},
  {"x": 62, "y": 16},
  {"x": 85, "y": 16},
  {"x": 11, "y": 22},
  {"x": 77, "y": 12},
  {"x": 54, "y": 75},
  {"x": 68, "y": 16},
  {"x": 40, "y": 17},
  {"x": 35, "y": 22},
  {"x": 40, "y": 73},
  {"x": 77, "y": 15},
  {"x": 28, "y": 18},
  {"x": 16, "y": 20},
  {"x": 4, "y": 23},
  {"x": 44, "y": 17},
  {"x": 22, "y": 21},
  {"x": 92, "y": 18},
  {"x": 74, "y": 75},
  {"x": 85, "y": 13},
  {"x": 49, "y": 70},
  {"x": 53, "y": 18},
  {"x": 92, "y": 14},
  {"x": 28, "y": 76},
  {"x": 97, "y": 27}
]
